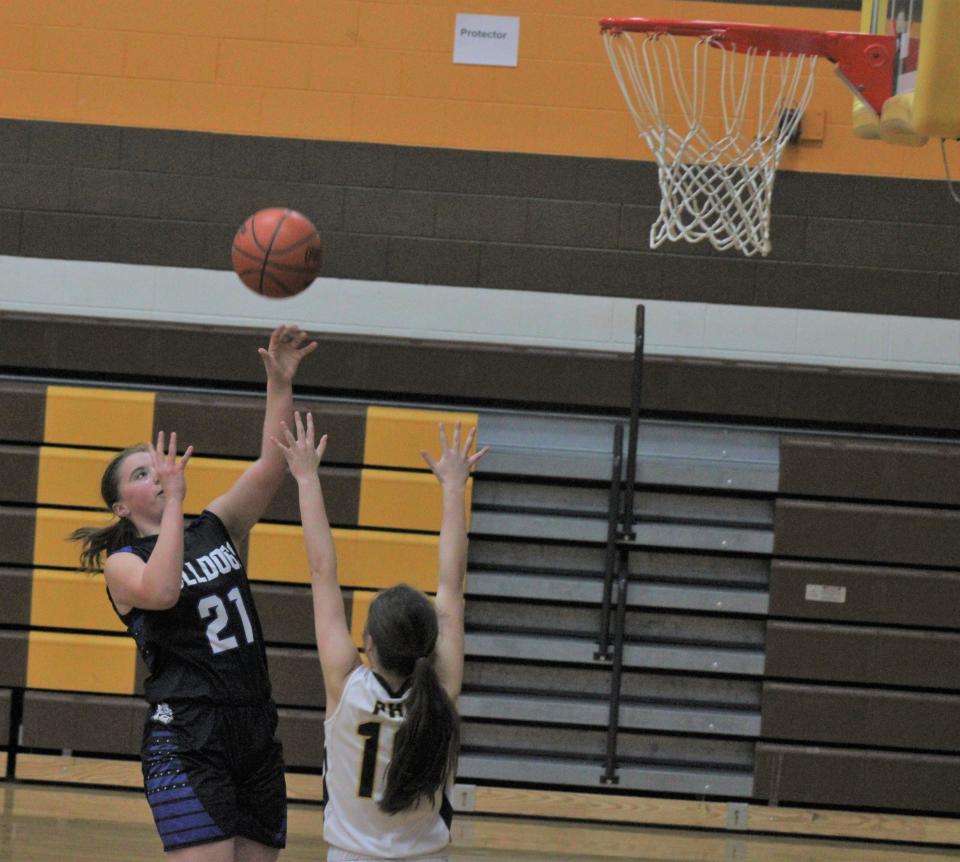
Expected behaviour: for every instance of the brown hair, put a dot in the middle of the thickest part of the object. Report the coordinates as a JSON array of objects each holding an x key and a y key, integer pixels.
[
  {"x": 97, "y": 541},
  {"x": 403, "y": 624}
]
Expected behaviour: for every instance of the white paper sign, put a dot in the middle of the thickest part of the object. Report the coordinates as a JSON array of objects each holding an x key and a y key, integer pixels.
[
  {"x": 486, "y": 40},
  {"x": 825, "y": 593}
]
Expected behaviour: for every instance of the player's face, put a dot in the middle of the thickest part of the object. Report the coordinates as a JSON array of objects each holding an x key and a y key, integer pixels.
[{"x": 139, "y": 489}]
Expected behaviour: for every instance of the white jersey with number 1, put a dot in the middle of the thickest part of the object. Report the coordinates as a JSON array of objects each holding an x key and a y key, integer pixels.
[{"x": 358, "y": 745}]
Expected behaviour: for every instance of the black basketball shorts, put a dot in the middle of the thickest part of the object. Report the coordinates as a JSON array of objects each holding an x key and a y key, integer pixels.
[{"x": 213, "y": 772}]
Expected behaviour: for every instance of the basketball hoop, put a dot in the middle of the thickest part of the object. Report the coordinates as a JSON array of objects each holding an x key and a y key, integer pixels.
[{"x": 717, "y": 162}]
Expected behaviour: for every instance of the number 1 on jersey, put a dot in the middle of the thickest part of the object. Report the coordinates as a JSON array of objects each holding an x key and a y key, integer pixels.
[{"x": 370, "y": 731}]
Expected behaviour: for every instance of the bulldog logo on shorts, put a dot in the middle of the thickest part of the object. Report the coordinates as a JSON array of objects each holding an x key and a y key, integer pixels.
[{"x": 163, "y": 715}]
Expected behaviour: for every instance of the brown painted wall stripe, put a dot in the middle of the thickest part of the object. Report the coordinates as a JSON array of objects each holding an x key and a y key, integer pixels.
[
  {"x": 13, "y": 658},
  {"x": 15, "y": 587},
  {"x": 841, "y": 242},
  {"x": 16, "y": 535},
  {"x": 21, "y": 411},
  {"x": 286, "y": 614},
  {"x": 230, "y": 426},
  {"x": 301, "y": 732},
  {"x": 108, "y": 724},
  {"x": 873, "y": 594},
  {"x": 870, "y": 469},
  {"x": 95, "y": 723},
  {"x": 296, "y": 678},
  {"x": 531, "y": 377},
  {"x": 861, "y": 717},
  {"x": 866, "y": 533},
  {"x": 860, "y": 654},
  {"x": 857, "y": 779},
  {"x": 19, "y": 466}
]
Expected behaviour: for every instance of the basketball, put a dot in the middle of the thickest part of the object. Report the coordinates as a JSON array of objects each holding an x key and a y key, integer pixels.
[{"x": 277, "y": 252}]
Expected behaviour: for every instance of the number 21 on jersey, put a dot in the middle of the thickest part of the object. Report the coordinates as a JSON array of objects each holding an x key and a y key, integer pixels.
[{"x": 213, "y": 606}]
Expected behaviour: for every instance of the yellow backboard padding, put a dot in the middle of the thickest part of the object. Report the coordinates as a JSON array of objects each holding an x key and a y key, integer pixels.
[
  {"x": 394, "y": 436},
  {"x": 71, "y": 477},
  {"x": 71, "y": 600},
  {"x": 51, "y": 546},
  {"x": 365, "y": 558},
  {"x": 65, "y": 662},
  {"x": 936, "y": 105},
  {"x": 97, "y": 417}
]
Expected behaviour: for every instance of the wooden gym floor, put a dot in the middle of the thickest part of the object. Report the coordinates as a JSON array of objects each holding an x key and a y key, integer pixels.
[{"x": 47, "y": 823}]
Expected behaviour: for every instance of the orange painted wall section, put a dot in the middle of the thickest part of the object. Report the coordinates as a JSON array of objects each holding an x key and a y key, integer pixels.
[{"x": 375, "y": 71}]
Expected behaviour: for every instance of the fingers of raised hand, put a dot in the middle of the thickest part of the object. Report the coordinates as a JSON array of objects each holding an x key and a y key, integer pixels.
[
  {"x": 443, "y": 438},
  {"x": 477, "y": 456},
  {"x": 321, "y": 446},
  {"x": 288, "y": 436},
  {"x": 429, "y": 460},
  {"x": 298, "y": 421},
  {"x": 471, "y": 435},
  {"x": 186, "y": 457}
]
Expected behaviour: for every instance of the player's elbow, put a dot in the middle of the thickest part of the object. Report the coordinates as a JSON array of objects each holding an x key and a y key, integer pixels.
[{"x": 161, "y": 597}]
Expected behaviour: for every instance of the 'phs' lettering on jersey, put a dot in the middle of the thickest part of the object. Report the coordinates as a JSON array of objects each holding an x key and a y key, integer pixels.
[
  {"x": 394, "y": 710},
  {"x": 210, "y": 566}
]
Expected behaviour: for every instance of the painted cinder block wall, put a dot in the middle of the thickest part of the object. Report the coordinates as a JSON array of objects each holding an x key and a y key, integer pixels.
[{"x": 375, "y": 71}]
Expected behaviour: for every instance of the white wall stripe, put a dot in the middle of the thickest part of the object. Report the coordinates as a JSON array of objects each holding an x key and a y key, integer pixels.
[{"x": 473, "y": 314}]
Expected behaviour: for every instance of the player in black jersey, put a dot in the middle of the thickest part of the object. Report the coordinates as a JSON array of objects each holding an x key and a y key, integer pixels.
[{"x": 212, "y": 766}]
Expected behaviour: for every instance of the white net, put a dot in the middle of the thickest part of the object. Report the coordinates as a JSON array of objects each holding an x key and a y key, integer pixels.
[{"x": 716, "y": 183}]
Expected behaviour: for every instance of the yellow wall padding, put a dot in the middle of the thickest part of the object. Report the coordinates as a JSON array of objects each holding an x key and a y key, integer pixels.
[
  {"x": 365, "y": 558},
  {"x": 50, "y": 544},
  {"x": 71, "y": 600},
  {"x": 376, "y": 72},
  {"x": 78, "y": 416},
  {"x": 208, "y": 478},
  {"x": 400, "y": 500},
  {"x": 71, "y": 477},
  {"x": 67, "y": 662},
  {"x": 936, "y": 106},
  {"x": 394, "y": 436}
]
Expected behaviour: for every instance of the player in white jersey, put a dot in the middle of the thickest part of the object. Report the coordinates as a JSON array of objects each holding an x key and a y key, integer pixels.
[{"x": 392, "y": 730}]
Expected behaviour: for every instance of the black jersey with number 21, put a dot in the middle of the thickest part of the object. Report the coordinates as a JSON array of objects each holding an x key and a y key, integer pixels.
[{"x": 209, "y": 645}]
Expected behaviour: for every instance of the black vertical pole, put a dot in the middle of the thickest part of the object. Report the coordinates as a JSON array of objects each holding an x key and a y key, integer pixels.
[
  {"x": 636, "y": 386},
  {"x": 13, "y": 738},
  {"x": 627, "y": 536},
  {"x": 613, "y": 533}
]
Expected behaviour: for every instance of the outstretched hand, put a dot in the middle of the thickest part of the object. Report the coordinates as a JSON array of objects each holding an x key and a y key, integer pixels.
[
  {"x": 166, "y": 467},
  {"x": 303, "y": 457},
  {"x": 455, "y": 462},
  {"x": 282, "y": 356}
]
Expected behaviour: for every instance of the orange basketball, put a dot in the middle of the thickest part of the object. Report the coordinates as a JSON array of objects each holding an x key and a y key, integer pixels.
[{"x": 277, "y": 252}]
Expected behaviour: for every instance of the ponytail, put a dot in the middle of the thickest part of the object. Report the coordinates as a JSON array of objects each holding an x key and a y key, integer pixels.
[
  {"x": 425, "y": 752},
  {"x": 99, "y": 541},
  {"x": 403, "y": 624}
]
